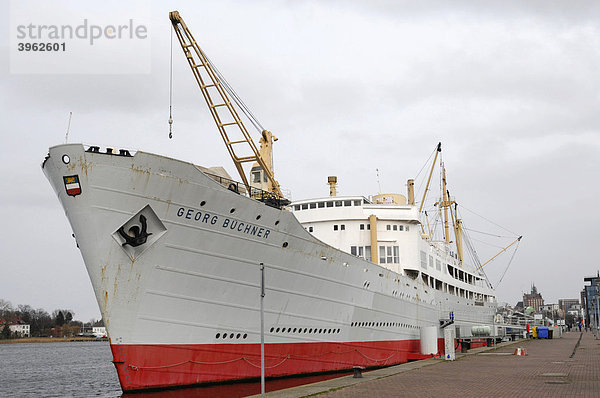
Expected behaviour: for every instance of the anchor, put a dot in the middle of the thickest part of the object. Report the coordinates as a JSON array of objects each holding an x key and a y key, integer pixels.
[{"x": 139, "y": 236}]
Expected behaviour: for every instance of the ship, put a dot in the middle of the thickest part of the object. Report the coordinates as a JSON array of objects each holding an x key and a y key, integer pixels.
[{"x": 191, "y": 268}]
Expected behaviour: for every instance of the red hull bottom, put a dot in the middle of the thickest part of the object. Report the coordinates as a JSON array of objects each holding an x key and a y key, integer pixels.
[{"x": 170, "y": 365}]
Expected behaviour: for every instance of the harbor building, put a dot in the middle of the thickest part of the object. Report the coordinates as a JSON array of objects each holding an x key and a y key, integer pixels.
[
  {"x": 591, "y": 301},
  {"x": 533, "y": 299}
]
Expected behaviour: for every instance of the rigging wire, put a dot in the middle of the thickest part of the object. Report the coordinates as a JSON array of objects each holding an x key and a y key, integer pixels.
[
  {"x": 426, "y": 162},
  {"x": 422, "y": 182},
  {"x": 171, "y": 88},
  {"x": 490, "y": 221},
  {"x": 487, "y": 233},
  {"x": 236, "y": 98},
  {"x": 509, "y": 262}
]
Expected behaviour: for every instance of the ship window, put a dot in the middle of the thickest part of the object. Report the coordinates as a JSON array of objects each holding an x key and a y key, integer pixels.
[
  {"x": 256, "y": 176},
  {"x": 361, "y": 251},
  {"x": 423, "y": 260},
  {"x": 343, "y": 227},
  {"x": 396, "y": 254},
  {"x": 353, "y": 250},
  {"x": 304, "y": 206},
  {"x": 357, "y": 202},
  {"x": 406, "y": 229},
  {"x": 368, "y": 253},
  {"x": 310, "y": 229},
  {"x": 335, "y": 227},
  {"x": 321, "y": 205},
  {"x": 438, "y": 265},
  {"x": 388, "y": 227},
  {"x": 296, "y": 207},
  {"x": 329, "y": 204},
  {"x": 362, "y": 226},
  {"x": 313, "y": 205},
  {"x": 381, "y": 254},
  {"x": 401, "y": 227},
  {"x": 431, "y": 261},
  {"x": 395, "y": 227},
  {"x": 390, "y": 257},
  {"x": 368, "y": 226},
  {"x": 265, "y": 179},
  {"x": 338, "y": 203}
]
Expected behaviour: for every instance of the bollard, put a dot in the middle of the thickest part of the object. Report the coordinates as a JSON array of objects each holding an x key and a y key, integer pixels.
[{"x": 358, "y": 372}]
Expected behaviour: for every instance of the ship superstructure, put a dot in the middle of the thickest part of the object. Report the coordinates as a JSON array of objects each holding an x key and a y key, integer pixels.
[{"x": 387, "y": 231}]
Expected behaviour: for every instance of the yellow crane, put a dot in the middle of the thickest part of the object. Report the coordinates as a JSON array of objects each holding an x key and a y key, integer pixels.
[{"x": 215, "y": 91}]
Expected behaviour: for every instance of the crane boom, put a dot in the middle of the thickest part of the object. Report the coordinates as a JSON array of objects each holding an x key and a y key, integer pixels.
[
  {"x": 500, "y": 252},
  {"x": 229, "y": 123}
]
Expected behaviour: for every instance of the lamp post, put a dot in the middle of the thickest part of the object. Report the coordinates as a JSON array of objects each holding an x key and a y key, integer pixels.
[
  {"x": 262, "y": 330},
  {"x": 596, "y": 312}
]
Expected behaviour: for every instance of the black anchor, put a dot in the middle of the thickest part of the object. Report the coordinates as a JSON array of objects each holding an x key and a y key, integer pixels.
[{"x": 139, "y": 236}]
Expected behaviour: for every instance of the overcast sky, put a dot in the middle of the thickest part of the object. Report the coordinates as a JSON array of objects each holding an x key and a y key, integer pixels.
[{"x": 510, "y": 88}]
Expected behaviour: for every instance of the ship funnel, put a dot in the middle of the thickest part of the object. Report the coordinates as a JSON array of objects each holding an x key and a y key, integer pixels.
[
  {"x": 332, "y": 181},
  {"x": 411, "y": 192}
]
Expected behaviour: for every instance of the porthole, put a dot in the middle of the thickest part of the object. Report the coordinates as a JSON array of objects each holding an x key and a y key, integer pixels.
[
  {"x": 203, "y": 203},
  {"x": 294, "y": 330},
  {"x": 231, "y": 336},
  {"x": 272, "y": 330},
  {"x": 285, "y": 244},
  {"x": 232, "y": 210},
  {"x": 224, "y": 335},
  {"x": 339, "y": 330},
  {"x": 238, "y": 336},
  {"x": 66, "y": 159},
  {"x": 309, "y": 330},
  {"x": 304, "y": 330},
  {"x": 258, "y": 217},
  {"x": 245, "y": 335},
  {"x": 277, "y": 222},
  {"x": 320, "y": 330},
  {"x": 218, "y": 335},
  {"x": 277, "y": 330}
]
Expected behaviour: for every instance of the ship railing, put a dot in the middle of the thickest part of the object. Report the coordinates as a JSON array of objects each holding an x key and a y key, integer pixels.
[{"x": 268, "y": 198}]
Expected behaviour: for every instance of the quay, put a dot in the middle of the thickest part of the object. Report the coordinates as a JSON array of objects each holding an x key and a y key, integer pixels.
[{"x": 565, "y": 367}]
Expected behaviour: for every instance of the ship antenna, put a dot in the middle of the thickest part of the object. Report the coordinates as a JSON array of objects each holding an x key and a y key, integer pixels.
[
  {"x": 378, "y": 182},
  {"x": 68, "y": 127},
  {"x": 171, "y": 89}
]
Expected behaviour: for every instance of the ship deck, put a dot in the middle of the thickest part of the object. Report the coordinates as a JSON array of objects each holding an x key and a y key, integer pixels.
[{"x": 547, "y": 370}]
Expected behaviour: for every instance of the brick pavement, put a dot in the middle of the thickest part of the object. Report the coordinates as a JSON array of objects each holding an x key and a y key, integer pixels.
[{"x": 547, "y": 371}]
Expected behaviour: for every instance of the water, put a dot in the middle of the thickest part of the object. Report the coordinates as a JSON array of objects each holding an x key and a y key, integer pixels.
[
  {"x": 78, "y": 369},
  {"x": 84, "y": 369}
]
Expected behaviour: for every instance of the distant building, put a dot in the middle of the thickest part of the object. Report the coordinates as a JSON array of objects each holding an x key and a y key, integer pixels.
[
  {"x": 565, "y": 304},
  {"x": 99, "y": 331},
  {"x": 533, "y": 299},
  {"x": 549, "y": 307},
  {"x": 519, "y": 307},
  {"x": 591, "y": 304},
  {"x": 21, "y": 330}
]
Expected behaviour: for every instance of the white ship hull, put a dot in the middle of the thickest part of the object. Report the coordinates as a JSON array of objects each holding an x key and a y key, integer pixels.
[{"x": 183, "y": 307}]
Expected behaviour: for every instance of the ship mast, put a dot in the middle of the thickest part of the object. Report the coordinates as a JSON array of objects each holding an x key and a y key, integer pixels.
[
  {"x": 437, "y": 151},
  {"x": 215, "y": 92}
]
